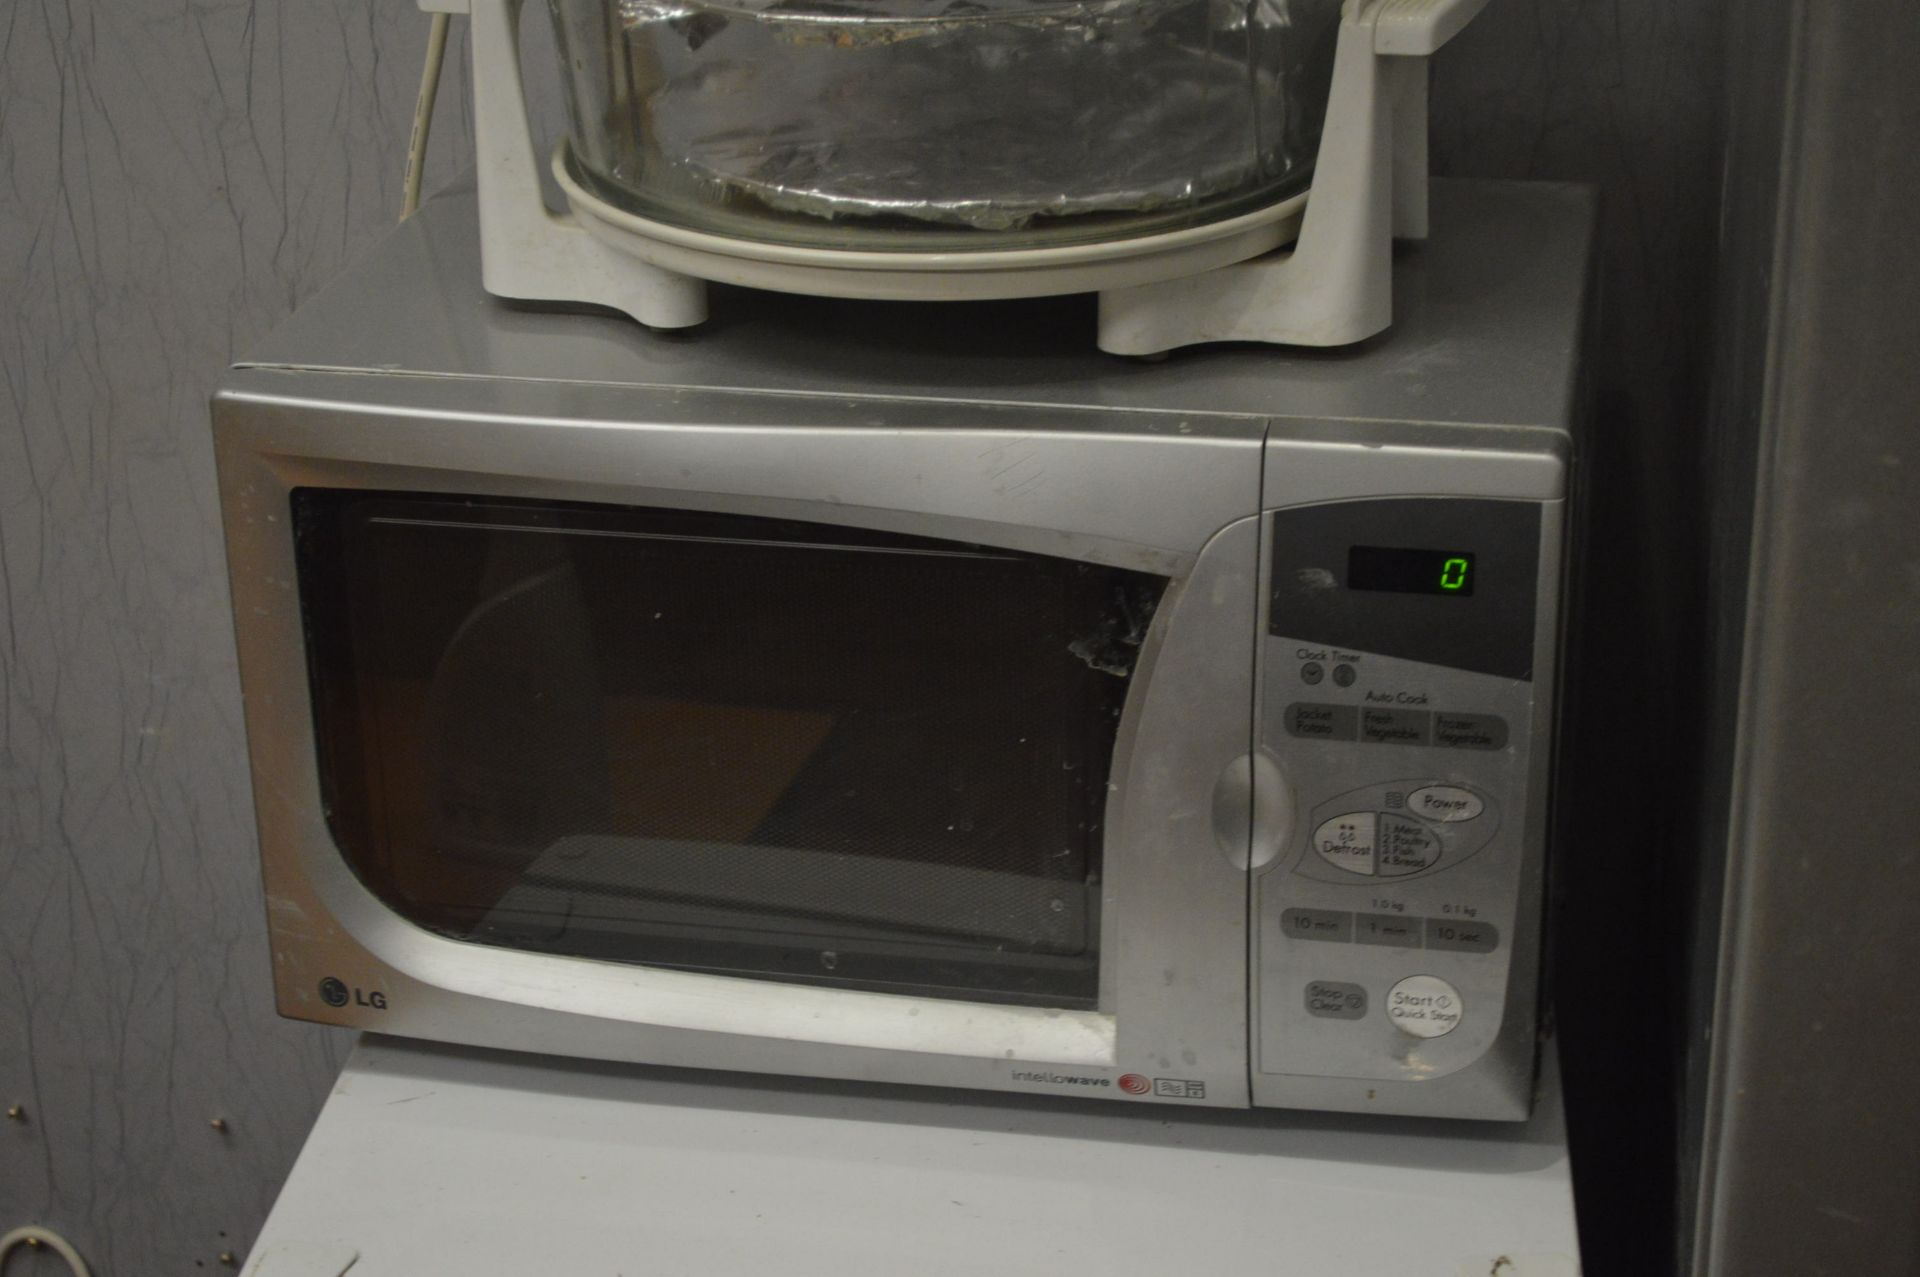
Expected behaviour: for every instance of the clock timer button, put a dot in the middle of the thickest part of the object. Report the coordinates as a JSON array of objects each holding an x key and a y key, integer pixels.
[
  {"x": 1445, "y": 803},
  {"x": 1425, "y": 1006},
  {"x": 1346, "y": 842}
]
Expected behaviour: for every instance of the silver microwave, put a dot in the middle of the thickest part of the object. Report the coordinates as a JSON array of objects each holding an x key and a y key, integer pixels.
[{"x": 911, "y": 694}]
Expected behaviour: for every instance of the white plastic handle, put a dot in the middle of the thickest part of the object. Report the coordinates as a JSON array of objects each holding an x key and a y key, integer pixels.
[
  {"x": 527, "y": 250},
  {"x": 1417, "y": 28},
  {"x": 1369, "y": 188}
]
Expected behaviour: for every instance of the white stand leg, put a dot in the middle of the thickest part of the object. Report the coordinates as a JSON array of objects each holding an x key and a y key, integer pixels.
[
  {"x": 527, "y": 251},
  {"x": 1369, "y": 184},
  {"x": 1408, "y": 85}
]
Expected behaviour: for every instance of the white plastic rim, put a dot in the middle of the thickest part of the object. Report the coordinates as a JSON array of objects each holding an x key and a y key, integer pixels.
[{"x": 990, "y": 274}]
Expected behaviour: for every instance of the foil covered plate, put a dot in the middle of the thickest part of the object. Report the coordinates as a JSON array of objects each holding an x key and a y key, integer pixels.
[{"x": 952, "y": 113}]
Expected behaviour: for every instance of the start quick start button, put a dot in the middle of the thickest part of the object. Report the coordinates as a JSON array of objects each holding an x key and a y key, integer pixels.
[{"x": 1425, "y": 1006}]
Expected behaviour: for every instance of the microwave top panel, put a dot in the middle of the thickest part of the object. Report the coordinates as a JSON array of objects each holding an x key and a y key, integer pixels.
[{"x": 1485, "y": 335}]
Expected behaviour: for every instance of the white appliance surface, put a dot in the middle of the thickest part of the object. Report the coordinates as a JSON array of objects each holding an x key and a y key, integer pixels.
[{"x": 430, "y": 1159}]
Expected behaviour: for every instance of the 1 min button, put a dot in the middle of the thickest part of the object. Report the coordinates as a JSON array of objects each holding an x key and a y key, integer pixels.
[{"x": 1387, "y": 929}]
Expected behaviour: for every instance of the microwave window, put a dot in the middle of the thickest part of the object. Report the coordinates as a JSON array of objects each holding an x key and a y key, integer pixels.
[{"x": 721, "y": 743}]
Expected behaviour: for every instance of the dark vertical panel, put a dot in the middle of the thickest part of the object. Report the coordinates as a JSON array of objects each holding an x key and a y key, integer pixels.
[
  {"x": 1760, "y": 96},
  {"x": 1812, "y": 1157},
  {"x": 1627, "y": 95}
]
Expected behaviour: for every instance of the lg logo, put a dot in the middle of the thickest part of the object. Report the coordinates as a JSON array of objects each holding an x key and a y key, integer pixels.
[{"x": 336, "y": 994}]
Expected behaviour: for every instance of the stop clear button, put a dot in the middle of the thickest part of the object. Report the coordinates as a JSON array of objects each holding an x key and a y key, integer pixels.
[
  {"x": 1445, "y": 802},
  {"x": 1425, "y": 1006}
]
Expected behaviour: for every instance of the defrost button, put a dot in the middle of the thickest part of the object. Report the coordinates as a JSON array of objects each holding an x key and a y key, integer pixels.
[{"x": 1346, "y": 842}]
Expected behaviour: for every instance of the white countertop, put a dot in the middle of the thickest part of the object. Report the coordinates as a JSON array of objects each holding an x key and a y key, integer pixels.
[{"x": 432, "y": 1159}]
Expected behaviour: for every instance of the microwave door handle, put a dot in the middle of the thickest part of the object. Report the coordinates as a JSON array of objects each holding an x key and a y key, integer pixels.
[{"x": 1253, "y": 810}]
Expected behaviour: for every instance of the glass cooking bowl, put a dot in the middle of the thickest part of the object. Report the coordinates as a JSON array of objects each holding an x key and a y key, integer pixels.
[{"x": 923, "y": 125}]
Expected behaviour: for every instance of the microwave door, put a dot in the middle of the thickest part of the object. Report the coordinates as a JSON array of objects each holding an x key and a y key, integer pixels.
[
  {"x": 722, "y": 743},
  {"x": 502, "y": 769}
]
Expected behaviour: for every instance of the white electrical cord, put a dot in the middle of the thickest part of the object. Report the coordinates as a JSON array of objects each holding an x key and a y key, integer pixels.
[
  {"x": 35, "y": 1236},
  {"x": 423, "y": 114}
]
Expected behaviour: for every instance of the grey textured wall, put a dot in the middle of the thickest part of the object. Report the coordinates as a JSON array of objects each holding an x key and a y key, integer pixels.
[{"x": 176, "y": 178}]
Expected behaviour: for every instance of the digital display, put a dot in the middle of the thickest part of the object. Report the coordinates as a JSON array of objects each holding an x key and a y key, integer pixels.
[{"x": 1401, "y": 570}]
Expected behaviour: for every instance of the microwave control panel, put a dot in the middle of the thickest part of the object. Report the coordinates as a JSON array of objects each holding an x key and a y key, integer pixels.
[{"x": 1400, "y": 702}]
